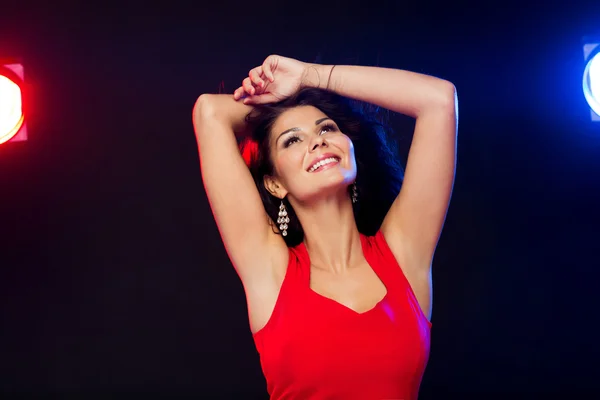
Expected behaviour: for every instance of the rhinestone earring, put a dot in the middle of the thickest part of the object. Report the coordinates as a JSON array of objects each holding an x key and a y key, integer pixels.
[
  {"x": 354, "y": 193},
  {"x": 283, "y": 219}
]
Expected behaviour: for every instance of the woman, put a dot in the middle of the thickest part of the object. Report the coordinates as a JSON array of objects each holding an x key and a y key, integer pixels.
[{"x": 337, "y": 312}]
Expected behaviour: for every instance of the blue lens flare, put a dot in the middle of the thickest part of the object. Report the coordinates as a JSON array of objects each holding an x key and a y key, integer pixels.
[{"x": 591, "y": 83}]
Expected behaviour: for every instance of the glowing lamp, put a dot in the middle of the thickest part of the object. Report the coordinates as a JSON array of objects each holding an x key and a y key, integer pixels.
[
  {"x": 12, "y": 117},
  {"x": 591, "y": 78}
]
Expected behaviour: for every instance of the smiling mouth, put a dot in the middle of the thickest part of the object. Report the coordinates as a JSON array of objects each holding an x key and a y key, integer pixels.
[{"x": 323, "y": 163}]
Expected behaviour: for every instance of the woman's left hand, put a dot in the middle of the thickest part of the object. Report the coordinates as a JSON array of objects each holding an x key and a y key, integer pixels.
[{"x": 276, "y": 79}]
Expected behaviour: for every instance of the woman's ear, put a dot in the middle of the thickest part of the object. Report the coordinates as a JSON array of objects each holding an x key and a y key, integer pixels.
[{"x": 274, "y": 187}]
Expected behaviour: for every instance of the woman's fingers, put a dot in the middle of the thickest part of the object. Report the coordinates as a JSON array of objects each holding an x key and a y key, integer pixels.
[
  {"x": 255, "y": 83},
  {"x": 238, "y": 93},
  {"x": 266, "y": 68},
  {"x": 255, "y": 76},
  {"x": 248, "y": 87}
]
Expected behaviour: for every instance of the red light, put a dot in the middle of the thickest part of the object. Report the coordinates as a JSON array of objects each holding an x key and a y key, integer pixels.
[{"x": 12, "y": 118}]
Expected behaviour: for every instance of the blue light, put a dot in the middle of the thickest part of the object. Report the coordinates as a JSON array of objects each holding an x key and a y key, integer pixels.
[{"x": 591, "y": 83}]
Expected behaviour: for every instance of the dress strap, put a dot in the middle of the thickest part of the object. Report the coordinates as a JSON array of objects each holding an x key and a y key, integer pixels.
[
  {"x": 291, "y": 287},
  {"x": 384, "y": 263}
]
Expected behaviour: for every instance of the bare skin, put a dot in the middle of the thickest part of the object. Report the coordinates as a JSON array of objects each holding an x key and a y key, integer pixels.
[
  {"x": 339, "y": 270},
  {"x": 320, "y": 199}
]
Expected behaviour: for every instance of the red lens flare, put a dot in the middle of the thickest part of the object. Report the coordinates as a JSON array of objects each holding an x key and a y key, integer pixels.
[{"x": 11, "y": 109}]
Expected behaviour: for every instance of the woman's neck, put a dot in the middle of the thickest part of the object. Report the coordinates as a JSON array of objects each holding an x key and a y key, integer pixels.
[{"x": 331, "y": 236}]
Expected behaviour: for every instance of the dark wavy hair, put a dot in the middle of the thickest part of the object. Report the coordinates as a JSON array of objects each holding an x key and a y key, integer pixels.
[{"x": 379, "y": 172}]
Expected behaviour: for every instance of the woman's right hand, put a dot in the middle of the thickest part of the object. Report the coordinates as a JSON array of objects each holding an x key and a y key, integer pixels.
[{"x": 276, "y": 79}]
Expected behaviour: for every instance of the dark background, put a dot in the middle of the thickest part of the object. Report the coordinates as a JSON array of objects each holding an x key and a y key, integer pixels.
[{"x": 113, "y": 278}]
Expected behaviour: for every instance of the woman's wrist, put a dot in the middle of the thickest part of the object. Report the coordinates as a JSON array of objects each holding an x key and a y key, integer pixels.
[{"x": 318, "y": 76}]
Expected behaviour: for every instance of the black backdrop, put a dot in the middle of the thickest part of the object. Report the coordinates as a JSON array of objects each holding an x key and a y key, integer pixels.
[{"x": 113, "y": 278}]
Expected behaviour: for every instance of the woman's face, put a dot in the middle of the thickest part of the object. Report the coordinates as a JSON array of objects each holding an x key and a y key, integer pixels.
[{"x": 311, "y": 156}]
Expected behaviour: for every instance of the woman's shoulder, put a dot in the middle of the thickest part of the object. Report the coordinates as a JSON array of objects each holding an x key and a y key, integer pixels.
[{"x": 375, "y": 240}]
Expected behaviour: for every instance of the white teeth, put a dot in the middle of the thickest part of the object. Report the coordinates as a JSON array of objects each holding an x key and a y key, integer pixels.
[{"x": 321, "y": 163}]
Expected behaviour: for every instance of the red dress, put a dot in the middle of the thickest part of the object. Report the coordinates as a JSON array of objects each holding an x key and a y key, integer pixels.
[{"x": 315, "y": 348}]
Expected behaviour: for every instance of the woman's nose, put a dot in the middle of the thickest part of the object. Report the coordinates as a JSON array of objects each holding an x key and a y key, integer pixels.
[{"x": 319, "y": 141}]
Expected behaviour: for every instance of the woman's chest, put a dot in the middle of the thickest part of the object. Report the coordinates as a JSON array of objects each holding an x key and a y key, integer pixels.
[
  {"x": 358, "y": 290},
  {"x": 386, "y": 342}
]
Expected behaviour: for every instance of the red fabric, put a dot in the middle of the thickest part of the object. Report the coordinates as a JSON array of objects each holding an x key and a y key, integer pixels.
[
  {"x": 316, "y": 348},
  {"x": 249, "y": 150}
]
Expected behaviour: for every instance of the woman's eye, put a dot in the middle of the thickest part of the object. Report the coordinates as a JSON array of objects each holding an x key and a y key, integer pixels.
[
  {"x": 291, "y": 141},
  {"x": 327, "y": 128}
]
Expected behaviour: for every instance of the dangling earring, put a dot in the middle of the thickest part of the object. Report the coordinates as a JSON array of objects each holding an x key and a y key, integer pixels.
[
  {"x": 354, "y": 193},
  {"x": 283, "y": 219}
]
